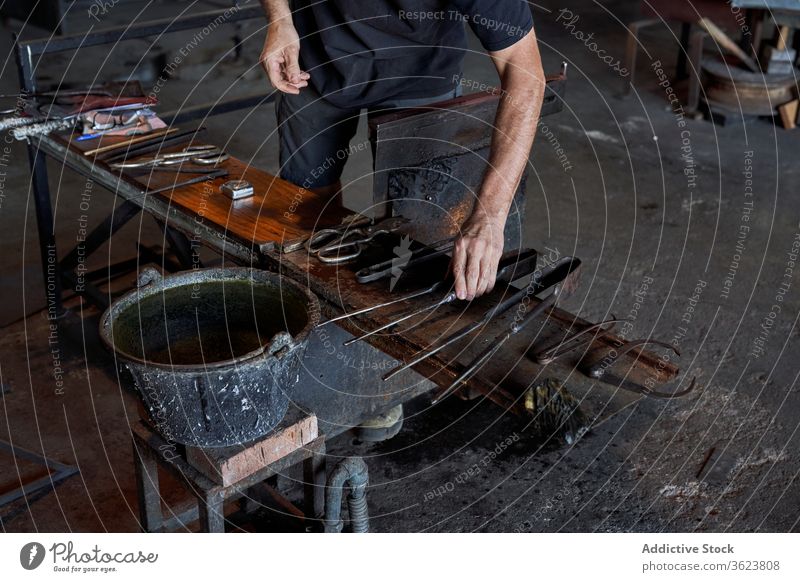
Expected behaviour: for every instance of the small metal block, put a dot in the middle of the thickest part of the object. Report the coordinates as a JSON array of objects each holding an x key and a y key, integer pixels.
[{"x": 237, "y": 189}]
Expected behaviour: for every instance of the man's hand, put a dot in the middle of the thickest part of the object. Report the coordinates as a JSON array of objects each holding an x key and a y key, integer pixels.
[
  {"x": 478, "y": 249},
  {"x": 476, "y": 254},
  {"x": 281, "y": 58}
]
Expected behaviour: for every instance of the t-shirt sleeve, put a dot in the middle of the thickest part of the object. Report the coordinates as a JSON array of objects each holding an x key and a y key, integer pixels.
[{"x": 498, "y": 24}]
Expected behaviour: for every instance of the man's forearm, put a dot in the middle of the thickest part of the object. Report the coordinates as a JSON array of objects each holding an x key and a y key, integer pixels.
[
  {"x": 277, "y": 11},
  {"x": 514, "y": 130}
]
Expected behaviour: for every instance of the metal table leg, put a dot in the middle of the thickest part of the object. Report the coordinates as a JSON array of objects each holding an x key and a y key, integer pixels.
[{"x": 150, "y": 517}]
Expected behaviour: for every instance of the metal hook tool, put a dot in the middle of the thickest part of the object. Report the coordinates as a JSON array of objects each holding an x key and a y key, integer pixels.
[
  {"x": 599, "y": 371},
  {"x": 563, "y": 278}
]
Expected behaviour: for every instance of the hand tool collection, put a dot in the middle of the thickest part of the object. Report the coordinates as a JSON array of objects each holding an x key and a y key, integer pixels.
[
  {"x": 386, "y": 269},
  {"x": 345, "y": 243},
  {"x": 511, "y": 267},
  {"x": 562, "y": 276},
  {"x": 203, "y": 155}
]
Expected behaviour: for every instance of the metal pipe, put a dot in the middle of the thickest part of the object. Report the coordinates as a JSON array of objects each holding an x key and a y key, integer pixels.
[{"x": 351, "y": 472}]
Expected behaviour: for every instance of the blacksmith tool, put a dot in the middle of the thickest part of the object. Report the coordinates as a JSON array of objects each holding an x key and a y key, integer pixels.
[
  {"x": 515, "y": 265},
  {"x": 156, "y": 144},
  {"x": 327, "y": 244},
  {"x": 350, "y": 221},
  {"x": 189, "y": 182},
  {"x": 563, "y": 277},
  {"x": 389, "y": 268},
  {"x": 587, "y": 335},
  {"x": 130, "y": 142},
  {"x": 506, "y": 275},
  {"x": 204, "y": 155},
  {"x": 599, "y": 371}
]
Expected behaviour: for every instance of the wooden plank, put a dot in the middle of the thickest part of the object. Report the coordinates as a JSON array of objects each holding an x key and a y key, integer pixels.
[{"x": 229, "y": 465}]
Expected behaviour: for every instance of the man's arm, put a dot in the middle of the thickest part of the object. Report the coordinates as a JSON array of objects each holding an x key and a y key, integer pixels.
[
  {"x": 480, "y": 244},
  {"x": 281, "y": 55}
]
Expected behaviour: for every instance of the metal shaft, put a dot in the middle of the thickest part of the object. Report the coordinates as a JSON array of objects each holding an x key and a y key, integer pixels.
[
  {"x": 190, "y": 181},
  {"x": 498, "y": 309},
  {"x": 450, "y": 297},
  {"x": 563, "y": 278},
  {"x": 400, "y": 299}
]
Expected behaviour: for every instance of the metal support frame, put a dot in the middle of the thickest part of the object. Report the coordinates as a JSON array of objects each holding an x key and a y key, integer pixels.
[{"x": 54, "y": 271}]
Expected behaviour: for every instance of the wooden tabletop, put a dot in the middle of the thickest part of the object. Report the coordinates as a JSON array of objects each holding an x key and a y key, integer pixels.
[{"x": 277, "y": 211}]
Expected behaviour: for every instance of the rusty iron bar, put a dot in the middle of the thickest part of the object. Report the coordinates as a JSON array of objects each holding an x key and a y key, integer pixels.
[{"x": 599, "y": 371}]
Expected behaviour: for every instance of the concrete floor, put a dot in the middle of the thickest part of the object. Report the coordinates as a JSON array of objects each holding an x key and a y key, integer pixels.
[{"x": 647, "y": 237}]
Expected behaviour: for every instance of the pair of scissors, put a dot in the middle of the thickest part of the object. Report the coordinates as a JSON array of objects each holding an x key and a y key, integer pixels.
[
  {"x": 203, "y": 155},
  {"x": 345, "y": 243}
]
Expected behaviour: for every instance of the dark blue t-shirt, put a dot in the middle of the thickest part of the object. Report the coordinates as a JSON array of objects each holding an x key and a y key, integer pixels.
[{"x": 360, "y": 53}]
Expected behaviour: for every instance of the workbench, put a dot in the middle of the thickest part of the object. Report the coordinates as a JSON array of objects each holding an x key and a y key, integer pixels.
[{"x": 252, "y": 231}]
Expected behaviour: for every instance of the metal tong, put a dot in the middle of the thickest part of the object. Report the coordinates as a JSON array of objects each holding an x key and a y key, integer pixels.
[
  {"x": 327, "y": 244},
  {"x": 204, "y": 155},
  {"x": 512, "y": 267},
  {"x": 563, "y": 277},
  {"x": 521, "y": 261},
  {"x": 389, "y": 268}
]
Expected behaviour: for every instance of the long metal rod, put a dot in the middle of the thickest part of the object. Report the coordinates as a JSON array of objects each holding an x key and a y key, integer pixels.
[
  {"x": 189, "y": 182},
  {"x": 412, "y": 295},
  {"x": 558, "y": 349},
  {"x": 449, "y": 298},
  {"x": 148, "y": 28},
  {"x": 497, "y": 310},
  {"x": 565, "y": 285}
]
